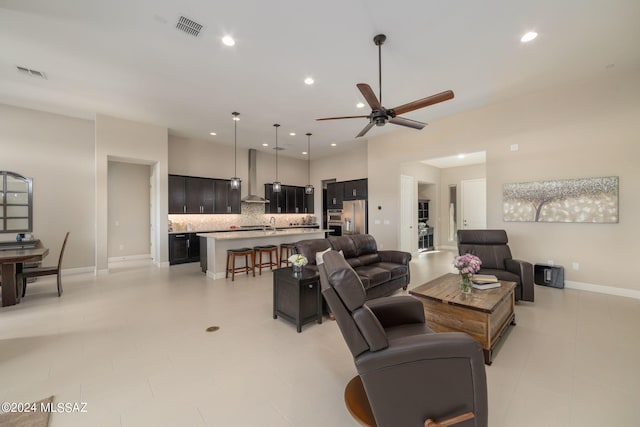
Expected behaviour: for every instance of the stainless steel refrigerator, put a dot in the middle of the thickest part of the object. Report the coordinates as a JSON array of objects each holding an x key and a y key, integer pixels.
[{"x": 354, "y": 217}]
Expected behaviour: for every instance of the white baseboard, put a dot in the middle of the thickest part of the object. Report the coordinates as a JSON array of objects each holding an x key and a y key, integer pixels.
[
  {"x": 129, "y": 258},
  {"x": 164, "y": 264},
  {"x": 601, "y": 289},
  {"x": 78, "y": 270}
]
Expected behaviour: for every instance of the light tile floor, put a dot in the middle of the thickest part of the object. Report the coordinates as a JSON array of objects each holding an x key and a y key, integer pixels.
[{"x": 132, "y": 344}]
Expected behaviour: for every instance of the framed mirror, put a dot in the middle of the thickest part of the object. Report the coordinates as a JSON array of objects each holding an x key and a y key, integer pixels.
[{"x": 16, "y": 203}]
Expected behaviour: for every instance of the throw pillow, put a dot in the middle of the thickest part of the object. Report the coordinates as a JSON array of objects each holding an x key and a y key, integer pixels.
[{"x": 320, "y": 254}]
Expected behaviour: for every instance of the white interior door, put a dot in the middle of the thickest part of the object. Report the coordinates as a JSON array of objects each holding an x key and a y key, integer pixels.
[
  {"x": 474, "y": 204},
  {"x": 152, "y": 236},
  {"x": 408, "y": 202}
]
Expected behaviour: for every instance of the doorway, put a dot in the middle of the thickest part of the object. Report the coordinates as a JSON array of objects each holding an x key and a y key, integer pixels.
[
  {"x": 129, "y": 212},
  {"x": 474, "y": 204}
]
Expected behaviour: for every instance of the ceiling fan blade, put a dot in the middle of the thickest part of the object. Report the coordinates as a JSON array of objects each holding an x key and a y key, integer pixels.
[
  {"x": 368, "y": 94},
  {"x": 407, "y": 122},
  {"x": 343, "y": 117},
  {"x": 424, "y": 102},
  {"x": 365, "y": 130}
]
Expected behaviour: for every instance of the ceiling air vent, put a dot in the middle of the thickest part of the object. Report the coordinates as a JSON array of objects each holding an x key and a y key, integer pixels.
[
  {"x": 279, "y": 148},
  {"x": 30, "y": 72},
  {"x": 188, "y": 26}
]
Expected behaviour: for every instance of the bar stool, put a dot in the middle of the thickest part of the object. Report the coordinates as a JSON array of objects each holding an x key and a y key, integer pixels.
[
  {"x": 288, "y": 248},
  {"x": 271, "y": 250},
  {"x": 240, "y": 252}
]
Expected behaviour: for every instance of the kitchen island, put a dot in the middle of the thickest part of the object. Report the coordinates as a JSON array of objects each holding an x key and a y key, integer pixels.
[{"x": 219, "y": 243}]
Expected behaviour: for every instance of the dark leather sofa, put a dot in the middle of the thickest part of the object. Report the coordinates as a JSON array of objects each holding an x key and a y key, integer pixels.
[
  {"x": 410, "y": 374},
  {"x": 381, "y": 272},
  {"x": 492, "y": 249}
]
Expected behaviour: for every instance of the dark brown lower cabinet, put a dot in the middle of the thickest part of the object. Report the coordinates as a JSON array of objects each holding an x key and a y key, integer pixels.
[{"x": 183, "y": 248}]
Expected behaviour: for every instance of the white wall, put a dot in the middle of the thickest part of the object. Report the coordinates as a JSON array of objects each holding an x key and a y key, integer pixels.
[
  {"x": 589, "y": 129},
  {"x": 58, "y": 153}
]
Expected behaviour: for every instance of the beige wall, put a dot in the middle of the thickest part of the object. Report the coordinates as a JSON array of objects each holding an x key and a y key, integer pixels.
[
  {"x": 58, "y": 153},
  {"x": 132, "y": 142},
  {"x": 586, "y": 130},
  {"x": 128, "y": 212}
]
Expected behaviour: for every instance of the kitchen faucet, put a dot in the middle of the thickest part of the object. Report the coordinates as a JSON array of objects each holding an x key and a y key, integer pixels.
[{"x": 272, "y": 223}]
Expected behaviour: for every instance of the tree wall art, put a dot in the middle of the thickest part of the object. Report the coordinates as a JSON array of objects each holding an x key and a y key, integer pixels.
[{"x": 567, "y": 200}]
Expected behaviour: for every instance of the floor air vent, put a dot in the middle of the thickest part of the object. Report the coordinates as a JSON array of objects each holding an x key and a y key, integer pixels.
[
  {"x": 188, "y": 26},
  {"x": 30, "y": 72}
]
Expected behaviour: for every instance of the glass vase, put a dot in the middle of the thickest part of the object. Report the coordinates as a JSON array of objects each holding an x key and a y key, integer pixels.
[
  {"x": 297, "y": 271},
  {"x": 465, "y": 283}
]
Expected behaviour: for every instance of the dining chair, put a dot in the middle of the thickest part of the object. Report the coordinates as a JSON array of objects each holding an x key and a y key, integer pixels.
[{"x": 44, "y": 271}]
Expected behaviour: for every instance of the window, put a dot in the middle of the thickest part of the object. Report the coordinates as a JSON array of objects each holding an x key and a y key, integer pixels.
[{"x": 16, "y": 203}]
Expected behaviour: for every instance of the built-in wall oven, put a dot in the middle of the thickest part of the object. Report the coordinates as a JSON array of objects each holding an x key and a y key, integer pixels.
[{"x": 334, "y": 221}]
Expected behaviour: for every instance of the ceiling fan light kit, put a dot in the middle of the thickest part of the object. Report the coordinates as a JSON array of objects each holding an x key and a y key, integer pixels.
[{"x": 380, "y": 115}]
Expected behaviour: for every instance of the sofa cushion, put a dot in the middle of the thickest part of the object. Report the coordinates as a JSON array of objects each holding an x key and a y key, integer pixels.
[
  {"x": 345, "y": 244},
  {"x": 368, "y": 259},
  {"x": 365, "y": 244},
  {"x": 396, "y": 270},
  {"x": 374, "y": 274}
]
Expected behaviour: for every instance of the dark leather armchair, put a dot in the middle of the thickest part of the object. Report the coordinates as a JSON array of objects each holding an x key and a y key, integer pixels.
[
  {"x": 410, "y": 374},
  {"x": 492, "y": 249}
]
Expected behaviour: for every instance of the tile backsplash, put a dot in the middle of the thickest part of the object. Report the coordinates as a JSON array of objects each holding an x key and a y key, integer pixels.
[{"x": 251, "y": 214}]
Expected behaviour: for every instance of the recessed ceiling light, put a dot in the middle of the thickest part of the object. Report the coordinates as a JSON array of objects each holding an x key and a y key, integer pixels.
[
  {"x": 308, "y": 81},
  {"x": 333, "y": 144},
  {"x": 228, "y": 41},
  {"x": 265, "y": 145},
  {"x": 528, "y": 36},
  {"x": 304, "y": 152},
  {"x": 212, "y": 133},
  {"x": 292, "y": 134},
  {"x": 360, "y": 105}
]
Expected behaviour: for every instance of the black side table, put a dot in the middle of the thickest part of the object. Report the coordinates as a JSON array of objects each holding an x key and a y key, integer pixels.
[{"x": 297, "y": 299}]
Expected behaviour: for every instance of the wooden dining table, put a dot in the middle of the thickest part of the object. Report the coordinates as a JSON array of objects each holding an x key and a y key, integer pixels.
[{"x": 11, "y": 261}]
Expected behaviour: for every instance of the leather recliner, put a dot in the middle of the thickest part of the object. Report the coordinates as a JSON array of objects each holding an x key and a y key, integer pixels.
[
  {"x": 492, "y": 249},
  {"x": 410, "y": 373}
]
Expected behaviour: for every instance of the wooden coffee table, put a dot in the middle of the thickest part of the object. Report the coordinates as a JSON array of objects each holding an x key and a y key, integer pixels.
[{"x": 484, "y": 314}]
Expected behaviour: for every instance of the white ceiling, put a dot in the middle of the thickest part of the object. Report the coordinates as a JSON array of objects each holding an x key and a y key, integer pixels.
[{"x": 125, "y": 58}]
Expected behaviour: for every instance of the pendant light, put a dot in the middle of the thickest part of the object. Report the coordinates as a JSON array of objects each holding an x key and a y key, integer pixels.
[
  {"x": 308, "y": 189},
  {"x": 235, "y": 181},
  {"x": 277, "y": 186}
]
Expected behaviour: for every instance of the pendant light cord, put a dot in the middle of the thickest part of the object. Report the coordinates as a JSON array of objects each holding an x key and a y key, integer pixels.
[
  {"x": 276, "y": 126},
  {"x": 235, "y": 145},
  {"x": 309, "y": 158}
]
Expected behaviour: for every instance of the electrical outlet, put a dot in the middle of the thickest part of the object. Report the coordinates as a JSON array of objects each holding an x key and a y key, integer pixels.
[
  {"x": 381, "y": 245},
  {"x": 575, "y": 265},
  {"x": 387, "y": 222},
  {"x": 377, "y": 222},
  {"x": 550, "y": 263},
  {"x": 514, "y": 147}
]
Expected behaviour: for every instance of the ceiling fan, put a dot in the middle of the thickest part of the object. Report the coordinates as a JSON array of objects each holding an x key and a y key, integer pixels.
[{"x": 379, "y": 115}]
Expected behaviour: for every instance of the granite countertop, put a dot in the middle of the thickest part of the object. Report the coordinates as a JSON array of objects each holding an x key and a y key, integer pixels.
[
  {"x": 257, "y": 234},
  {"x": 260, "y": 228}
]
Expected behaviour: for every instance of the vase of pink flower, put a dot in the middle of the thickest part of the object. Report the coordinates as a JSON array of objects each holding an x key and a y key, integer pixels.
[{"x": 467, "y": 265}]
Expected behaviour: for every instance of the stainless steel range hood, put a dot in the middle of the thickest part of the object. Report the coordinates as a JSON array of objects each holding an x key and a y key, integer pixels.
[{"x": 252, "y": 198}]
